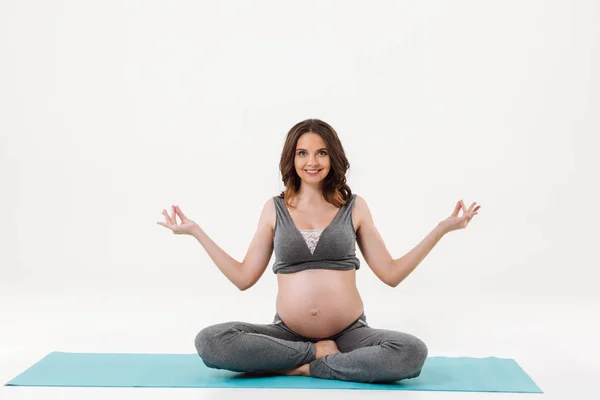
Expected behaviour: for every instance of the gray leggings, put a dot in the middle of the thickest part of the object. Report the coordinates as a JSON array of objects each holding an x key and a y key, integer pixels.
[{"x": 366, "y": 354}]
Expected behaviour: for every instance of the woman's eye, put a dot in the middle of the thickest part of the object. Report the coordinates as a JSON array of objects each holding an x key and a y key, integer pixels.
[{"x": 301, "y": 153}]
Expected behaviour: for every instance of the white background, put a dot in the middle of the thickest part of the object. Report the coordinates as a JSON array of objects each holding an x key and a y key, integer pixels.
[{"x": 111, "y": 111}]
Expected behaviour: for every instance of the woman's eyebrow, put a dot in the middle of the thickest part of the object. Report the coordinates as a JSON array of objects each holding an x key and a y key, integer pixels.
[{"x": 322, "y": 148}]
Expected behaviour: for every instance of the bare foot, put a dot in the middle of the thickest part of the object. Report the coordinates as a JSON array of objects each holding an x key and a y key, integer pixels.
[
  {"x": 302, "y": 370},
  {"x": 326, "y": 347}
]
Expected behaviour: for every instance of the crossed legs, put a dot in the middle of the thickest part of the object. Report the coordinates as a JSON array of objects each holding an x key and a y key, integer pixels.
[{"x": 359, "y": 353}]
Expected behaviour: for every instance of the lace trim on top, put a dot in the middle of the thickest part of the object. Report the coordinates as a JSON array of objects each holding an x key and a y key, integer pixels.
[{"x": 312, "y": 238}]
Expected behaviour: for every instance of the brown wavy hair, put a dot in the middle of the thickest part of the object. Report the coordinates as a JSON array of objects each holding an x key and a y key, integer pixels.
[{"x": 335, "y": 189}]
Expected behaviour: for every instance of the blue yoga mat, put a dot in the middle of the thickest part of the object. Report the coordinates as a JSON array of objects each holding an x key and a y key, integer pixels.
[{"x": 460, "y": 374}]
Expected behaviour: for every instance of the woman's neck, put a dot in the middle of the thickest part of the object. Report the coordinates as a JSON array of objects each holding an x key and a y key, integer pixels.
[{"x": 310, "y": 195}]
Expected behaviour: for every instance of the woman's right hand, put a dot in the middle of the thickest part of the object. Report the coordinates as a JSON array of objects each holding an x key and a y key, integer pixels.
[{"x": 187, "y": 226}]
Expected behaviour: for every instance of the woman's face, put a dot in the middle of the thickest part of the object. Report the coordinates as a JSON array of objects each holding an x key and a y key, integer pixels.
[{"x": 311, "y": 155}]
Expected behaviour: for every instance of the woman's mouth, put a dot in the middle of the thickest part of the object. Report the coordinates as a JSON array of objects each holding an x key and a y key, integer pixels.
[{"x": 312, "y": 172}]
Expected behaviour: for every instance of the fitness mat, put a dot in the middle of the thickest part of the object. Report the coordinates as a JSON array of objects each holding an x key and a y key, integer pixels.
[{"x": 457, "y": 374}]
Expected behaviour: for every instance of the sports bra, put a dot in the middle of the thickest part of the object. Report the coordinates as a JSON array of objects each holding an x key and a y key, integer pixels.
[
  {"x": 311, "y": 237},
  {"x": 335, "y": 249}
]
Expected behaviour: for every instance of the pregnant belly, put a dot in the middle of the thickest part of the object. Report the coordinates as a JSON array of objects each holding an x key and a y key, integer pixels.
[{"x": 318, "y": 303}]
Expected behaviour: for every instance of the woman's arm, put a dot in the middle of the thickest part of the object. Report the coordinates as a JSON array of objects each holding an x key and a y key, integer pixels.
[
  {"x": 245, "y": 274},
  {"x": 403, "y": 266},
  {"x": 391, "y": 271}
]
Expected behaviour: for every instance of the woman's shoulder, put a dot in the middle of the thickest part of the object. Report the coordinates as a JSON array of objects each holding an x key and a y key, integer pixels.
[
  {"x": 360, "y": 210},
  {"x": 269, "y": 205},
  {"x": 268, "y": 213},
  {"x": 359, "y": 203},
  {"x": 352, "y": 200}
]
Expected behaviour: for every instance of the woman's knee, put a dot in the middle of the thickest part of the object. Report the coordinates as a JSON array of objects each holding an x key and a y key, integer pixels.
[
  {"x": 203, "y": 341},
  {"x": 415, "y": 354},
  {"x": 418, "y": 354},
  {"x": 208, "y": 342},
  {"x": 411, "y": 355},
  {"x": 418, "y": 349}
]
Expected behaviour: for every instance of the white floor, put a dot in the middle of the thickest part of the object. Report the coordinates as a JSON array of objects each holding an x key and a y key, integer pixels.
[{"x": 555, "y": 340}]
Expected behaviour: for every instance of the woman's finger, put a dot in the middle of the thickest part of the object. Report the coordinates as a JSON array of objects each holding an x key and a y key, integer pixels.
[
  {"x": 474, "y": 212},
  {"x": 464, "y": 208},
  {"x": 471, "y": 206},
  {"x": 472, "y": 215},
  {"x": 180, "y": 213},
  {"x": 463, "y": 222},
  {"x": 167, "y": 218},
  {"x": 456, "y": 209},
  {"x": 173, "y": 214}
]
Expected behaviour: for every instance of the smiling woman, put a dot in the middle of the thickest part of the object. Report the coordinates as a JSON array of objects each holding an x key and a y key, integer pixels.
[
  {"x": 311, "y": 165},
  {"x": 317, "y": 294},
  {"x": 319, "y": 328},
  {"x": 310, "y": 147}
]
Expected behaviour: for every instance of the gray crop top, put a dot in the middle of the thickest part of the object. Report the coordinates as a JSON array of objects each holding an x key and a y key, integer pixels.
[{"x": 335, "y": 249}]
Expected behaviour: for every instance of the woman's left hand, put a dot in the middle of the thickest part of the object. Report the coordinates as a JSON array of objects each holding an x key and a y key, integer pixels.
[{"x": 454, "y": 221}]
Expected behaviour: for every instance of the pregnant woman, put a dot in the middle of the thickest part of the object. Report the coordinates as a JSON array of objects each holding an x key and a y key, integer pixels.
[{"x": 320, "y": 328}]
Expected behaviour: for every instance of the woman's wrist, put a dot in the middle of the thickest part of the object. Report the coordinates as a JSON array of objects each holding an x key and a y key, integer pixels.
[
  {"x": 196, "y": 231},
  {"x": 441, "y": 228}
]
